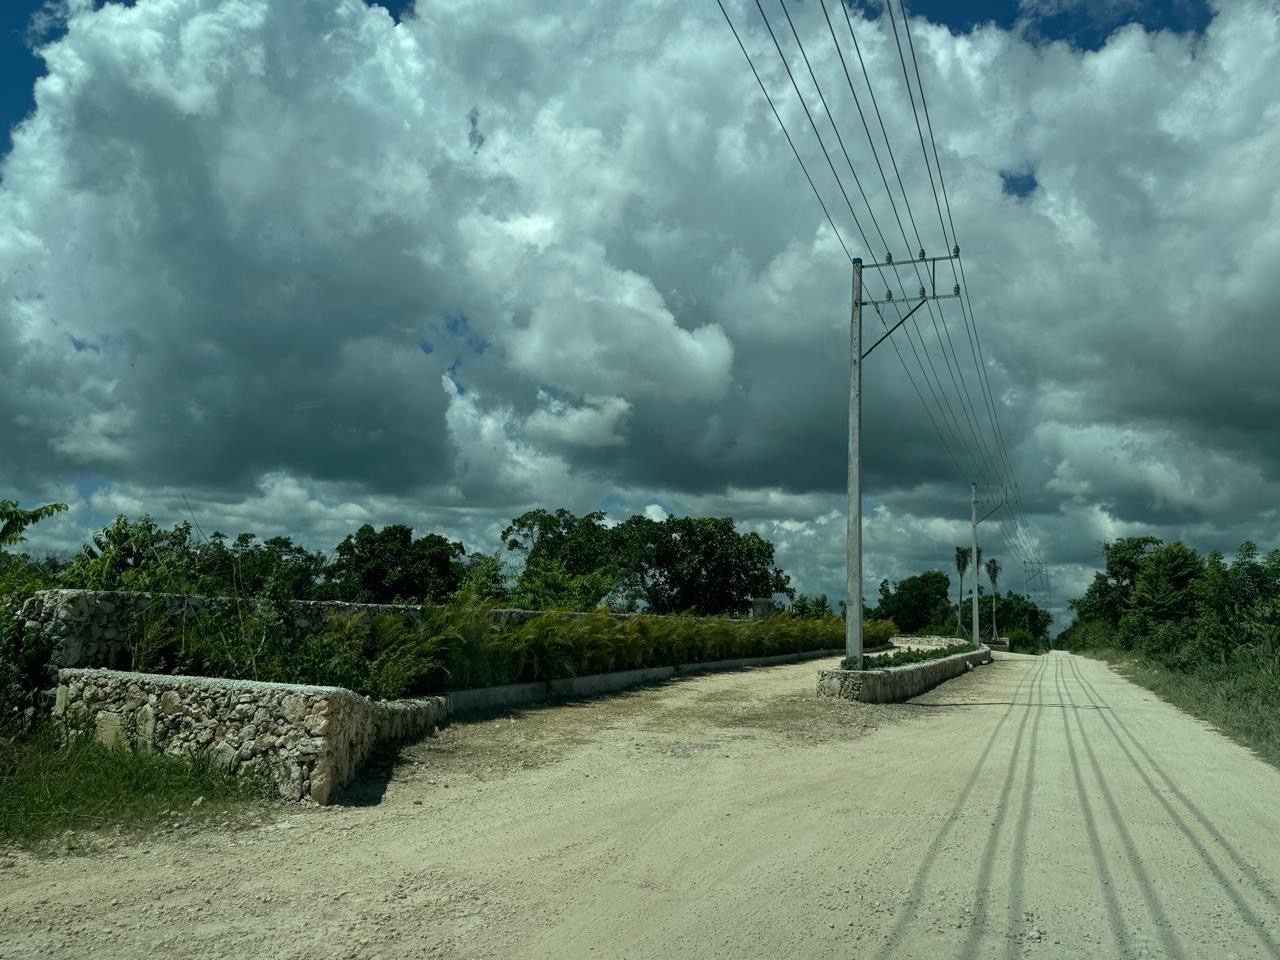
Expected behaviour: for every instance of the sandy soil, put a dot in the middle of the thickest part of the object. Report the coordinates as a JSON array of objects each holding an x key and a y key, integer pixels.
[{"x": 1039, "y": 807}]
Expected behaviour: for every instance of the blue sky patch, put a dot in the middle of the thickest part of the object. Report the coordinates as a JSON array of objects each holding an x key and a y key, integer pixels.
[
  {"x": 458, "y": 325},
  {"x": 1018, "y": 183}
]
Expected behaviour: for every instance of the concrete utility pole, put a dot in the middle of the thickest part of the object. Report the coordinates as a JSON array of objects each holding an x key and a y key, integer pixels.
[
  {"x": 973, "y": 556},
  {"x": 853, "y": 605},
  {"x": 974, "y": 520}
]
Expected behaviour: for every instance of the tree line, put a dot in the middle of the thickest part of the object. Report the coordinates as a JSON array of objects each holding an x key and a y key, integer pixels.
[
  {"x": 1167, "y": 602},
  {"x": 548, "y": 560}
]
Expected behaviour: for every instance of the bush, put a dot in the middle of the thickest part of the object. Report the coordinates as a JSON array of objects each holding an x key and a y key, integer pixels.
[
  {"x": 455, "y": 646},
  {"x": 900, "y": 658},
  {"x": 878, "y": 632},
  {"x": 1024, "y": 641},
  {"x": 23, "y": 654}
]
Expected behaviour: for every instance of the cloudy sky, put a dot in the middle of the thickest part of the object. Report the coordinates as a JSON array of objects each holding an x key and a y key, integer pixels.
[{"x": 304, "y": 264}]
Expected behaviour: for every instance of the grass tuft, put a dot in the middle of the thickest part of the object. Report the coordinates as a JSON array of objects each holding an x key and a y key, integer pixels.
[{"x": 48, "y": 788}]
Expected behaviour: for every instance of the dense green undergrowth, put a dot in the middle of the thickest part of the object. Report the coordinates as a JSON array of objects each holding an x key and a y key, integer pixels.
[
  {"x": 1240, "y": 697},
  {"x": 456, "y": 646},
  {"x": 900, "y": 658},
  {"x": 48, "y": 787}
]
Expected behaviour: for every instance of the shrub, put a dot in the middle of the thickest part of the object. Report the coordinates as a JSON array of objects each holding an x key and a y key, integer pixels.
[
  {"x": 879, "y": 631},
  {"x": 899, "y": 658},
  {"x": 1024, "y": 641}
]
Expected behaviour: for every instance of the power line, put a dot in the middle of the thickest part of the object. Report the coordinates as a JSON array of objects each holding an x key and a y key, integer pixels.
[
  {"x": 785, "y": 133},
  {"x": 848, "y": 203},
  {"x": 969, "y": 318}
]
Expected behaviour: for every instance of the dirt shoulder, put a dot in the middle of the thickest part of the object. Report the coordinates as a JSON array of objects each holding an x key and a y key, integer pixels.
[{"x": 726, "y": 815}]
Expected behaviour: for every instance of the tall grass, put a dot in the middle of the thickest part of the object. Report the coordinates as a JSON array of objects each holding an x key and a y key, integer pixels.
[
  {"x": 1241, "y": 697},
  {"x": 48, "y": 786}
]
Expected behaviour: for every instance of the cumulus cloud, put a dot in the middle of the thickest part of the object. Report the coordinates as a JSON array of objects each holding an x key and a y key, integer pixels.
[{"x": 305, "y": 265}]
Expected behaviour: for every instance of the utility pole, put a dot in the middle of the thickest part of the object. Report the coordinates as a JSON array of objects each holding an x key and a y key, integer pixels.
[
  {"x": 853, "y": 533},
  {"x": 853, "y": 605},
  {"x": 973, "y": 557}
]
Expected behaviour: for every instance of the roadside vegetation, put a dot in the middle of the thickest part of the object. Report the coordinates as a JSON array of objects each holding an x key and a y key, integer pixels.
[
  {"x": 682, "y": 578},
  {"x": 901, "y": 658},
  {"x": 48, "y": 787},
  {"x": 1200, "y": 631},
  {"x": 922, "y": 605}
]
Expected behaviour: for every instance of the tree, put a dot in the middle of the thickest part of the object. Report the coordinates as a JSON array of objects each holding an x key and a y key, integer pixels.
[
  {"x": 811, "y": 608},
  {"x": 702, "y": 564},
  {"x": 485, "y": 578},
  {"x": 962, "y": 565},
  {"x": 1021, "y": 613},
  {"x": 388, "y": 565},
  {"x": 914, "y": 602},
  {"x": 14, "y": 520},
  {"x": 579, "y": 544},
  {"x": 547, "y": 585},
  {"x": 1107, "y": 597},
  {"x": 993, "y": 574}
]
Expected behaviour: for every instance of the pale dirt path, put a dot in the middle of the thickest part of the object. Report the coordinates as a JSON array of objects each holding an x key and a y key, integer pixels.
[{"x": 1040, "y": 807}]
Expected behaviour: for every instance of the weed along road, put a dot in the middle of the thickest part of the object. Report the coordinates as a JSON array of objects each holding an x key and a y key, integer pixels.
[{"x": 1038, "y": 807}]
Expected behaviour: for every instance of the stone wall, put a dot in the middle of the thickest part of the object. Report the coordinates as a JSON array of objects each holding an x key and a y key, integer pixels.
[
  {"x": 309, "y": 740},
  {"x": 91, "y": 628},
  {"x": 897, "y": 683}
]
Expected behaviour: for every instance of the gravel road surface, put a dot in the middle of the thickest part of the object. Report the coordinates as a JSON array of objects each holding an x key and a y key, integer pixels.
[{"x": 1039, "y": 807}]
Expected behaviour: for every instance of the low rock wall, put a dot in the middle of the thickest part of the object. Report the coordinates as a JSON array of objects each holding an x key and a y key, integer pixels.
[
  {"x": 897, "y": 683},
  {"x": 309, "y": 740}
]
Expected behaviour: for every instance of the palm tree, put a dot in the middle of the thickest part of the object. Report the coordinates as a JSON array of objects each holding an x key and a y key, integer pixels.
[
  {"x": 993, "y": 574},
  {"x": 962, "y": 565}
]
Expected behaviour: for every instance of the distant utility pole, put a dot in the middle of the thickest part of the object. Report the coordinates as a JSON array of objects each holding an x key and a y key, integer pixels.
[
  {"x": 974, "y": 521},
  {"x": 853, "y": 606}
]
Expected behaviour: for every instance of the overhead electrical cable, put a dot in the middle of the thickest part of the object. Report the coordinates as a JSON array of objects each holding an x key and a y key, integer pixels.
[
  {"x": 817, "y": 194},
  {"x": 971, "y": 419}
]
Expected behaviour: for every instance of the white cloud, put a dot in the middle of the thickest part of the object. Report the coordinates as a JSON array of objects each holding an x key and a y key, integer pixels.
[{"x": 243, "y": 242}]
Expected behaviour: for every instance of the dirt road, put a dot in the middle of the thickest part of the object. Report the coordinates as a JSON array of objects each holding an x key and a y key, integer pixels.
[{"x": 1039, "y": 807}]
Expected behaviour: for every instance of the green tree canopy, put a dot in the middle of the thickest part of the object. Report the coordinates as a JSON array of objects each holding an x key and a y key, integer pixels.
[
  {"x": 915, "y": 602},
  {"x": 383, "y": 566}
]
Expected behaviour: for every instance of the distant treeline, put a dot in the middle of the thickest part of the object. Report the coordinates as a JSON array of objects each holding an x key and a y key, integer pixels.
[
  {"x": 1169, "y": 603},
  {"x": 1201, "y": 631},
  {"x": 548, "y": 560}
]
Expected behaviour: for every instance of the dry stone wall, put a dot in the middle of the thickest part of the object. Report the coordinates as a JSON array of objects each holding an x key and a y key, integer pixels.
[
  {"x": 891, "y": 684},
  {"x": 309, "y": 741}
]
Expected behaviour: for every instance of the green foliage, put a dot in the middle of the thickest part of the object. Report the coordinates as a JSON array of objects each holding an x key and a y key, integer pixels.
[
  {"x": 48, "y": 787},
  {"x": 877, "y": 632},
  {"x": 900, "y": 658},
  {"x": 1108, "y": 595},
  {"x": 1166, "y": 602},
  {"x": 1022, "y": 640},
  {"x": 813, "y": 607},
  {"x": 23, "y": 653},
  {"x": 1238, "y": 696},
  {"x": 545, "y": 584},
  {"x": 457, "y": 646},
  {"x": 14, "y": 521},
  {"x": 681, "y": 563},
  {"x": 390, "y": 566},
  {"x": 915, "y": 602},
  {"x": 485, "y": 577}
]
